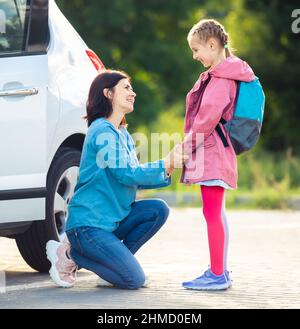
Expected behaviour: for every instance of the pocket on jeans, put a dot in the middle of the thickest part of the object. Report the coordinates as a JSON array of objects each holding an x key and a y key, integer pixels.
[
  {"x": 87, "y": 233},
  {"x": 75, "y": 240}
]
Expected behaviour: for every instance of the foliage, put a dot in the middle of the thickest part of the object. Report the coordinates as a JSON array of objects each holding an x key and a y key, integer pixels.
[{"x": 148, "y": 39}]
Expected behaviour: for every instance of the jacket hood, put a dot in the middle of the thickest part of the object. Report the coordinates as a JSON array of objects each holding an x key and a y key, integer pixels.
[{"x": 233, "y": 68}]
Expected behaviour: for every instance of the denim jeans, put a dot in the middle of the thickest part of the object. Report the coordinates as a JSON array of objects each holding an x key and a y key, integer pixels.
[{"x": 111, "y": 254}]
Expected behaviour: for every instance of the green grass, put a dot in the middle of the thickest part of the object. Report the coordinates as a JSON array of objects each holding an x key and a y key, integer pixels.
[{"x": 264, "y": 199}]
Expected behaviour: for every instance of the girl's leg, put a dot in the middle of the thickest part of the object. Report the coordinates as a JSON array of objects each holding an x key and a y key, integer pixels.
[
  {"x": 104, "y": 254},
  {"x": 144, "y": 220},
  {"x": 212, "y": 198},
  {"x": 226, "y": 231}
]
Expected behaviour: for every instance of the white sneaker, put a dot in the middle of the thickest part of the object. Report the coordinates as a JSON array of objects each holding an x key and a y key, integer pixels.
[
  {"x": 147, "y": 282},
  {"x": 103, "y": 283},
  {"x": 63, "y": 269}
]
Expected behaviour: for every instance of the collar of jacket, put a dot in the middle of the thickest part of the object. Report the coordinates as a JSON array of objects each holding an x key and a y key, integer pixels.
[{"x": 204, "y": 76}]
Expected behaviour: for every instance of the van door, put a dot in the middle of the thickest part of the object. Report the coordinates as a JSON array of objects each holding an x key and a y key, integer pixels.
[{"x": 23, "y": 88}]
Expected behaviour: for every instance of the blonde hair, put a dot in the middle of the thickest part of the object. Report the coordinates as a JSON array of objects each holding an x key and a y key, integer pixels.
[{"x": 210, "y": 28}]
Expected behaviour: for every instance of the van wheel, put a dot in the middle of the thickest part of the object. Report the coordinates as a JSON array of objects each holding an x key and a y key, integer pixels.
[{"x": 61, "y": 181}]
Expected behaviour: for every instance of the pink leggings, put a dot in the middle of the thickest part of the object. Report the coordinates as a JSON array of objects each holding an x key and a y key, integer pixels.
[{"x": 213, "y": 198}]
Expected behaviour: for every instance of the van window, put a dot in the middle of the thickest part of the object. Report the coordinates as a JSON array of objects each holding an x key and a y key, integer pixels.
[{"x": 14, "y": 15}]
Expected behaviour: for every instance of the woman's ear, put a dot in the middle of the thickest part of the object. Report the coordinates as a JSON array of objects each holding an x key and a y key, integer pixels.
[{"x": 106, "y": 93}]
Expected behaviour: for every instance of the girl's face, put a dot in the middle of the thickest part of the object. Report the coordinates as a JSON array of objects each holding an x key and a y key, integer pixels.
[
  {"x": 206, "y": 53},
  {"x": 123, "y": 96}
]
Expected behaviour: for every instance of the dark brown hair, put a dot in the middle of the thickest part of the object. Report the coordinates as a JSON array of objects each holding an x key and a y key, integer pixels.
[{"x": 99, "y": 106}]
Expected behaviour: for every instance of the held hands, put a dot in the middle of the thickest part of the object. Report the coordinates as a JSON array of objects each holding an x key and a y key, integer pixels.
[{"x": 175, "y": 159}]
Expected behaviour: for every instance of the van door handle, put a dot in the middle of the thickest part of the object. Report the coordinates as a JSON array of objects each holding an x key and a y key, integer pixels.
[{"x": 19, "y": 92}]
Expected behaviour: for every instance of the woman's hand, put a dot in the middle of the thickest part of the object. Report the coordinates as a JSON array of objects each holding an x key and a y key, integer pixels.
[{"x": 175, "y": 159}]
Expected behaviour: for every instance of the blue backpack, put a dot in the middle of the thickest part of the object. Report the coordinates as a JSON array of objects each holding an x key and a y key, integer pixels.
[{"x": 245, "y": 126}]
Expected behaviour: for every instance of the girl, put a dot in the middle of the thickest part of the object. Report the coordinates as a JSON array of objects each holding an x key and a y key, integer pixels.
[
  {"x": 211, "y": 99},
  {"x": 106, "y": 226}
]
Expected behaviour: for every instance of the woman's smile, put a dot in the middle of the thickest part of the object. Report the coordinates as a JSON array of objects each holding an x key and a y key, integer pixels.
[{"x": 131, "y": 100}]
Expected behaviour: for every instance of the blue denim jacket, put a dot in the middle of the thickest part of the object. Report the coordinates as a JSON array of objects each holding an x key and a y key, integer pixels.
[{"x": 109, "y": 177}]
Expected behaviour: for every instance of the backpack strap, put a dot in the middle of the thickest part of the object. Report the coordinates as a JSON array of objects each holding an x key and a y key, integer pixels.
[
  {"x": 220, "y": 132},
  {"x": 223, "y": 121}
]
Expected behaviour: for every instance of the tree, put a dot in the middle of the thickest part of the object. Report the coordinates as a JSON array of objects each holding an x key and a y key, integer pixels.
[{"x": 147, "y": 38}]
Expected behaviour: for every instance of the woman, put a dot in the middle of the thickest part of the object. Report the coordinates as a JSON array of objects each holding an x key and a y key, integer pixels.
[{"x": 106, "y": 226}]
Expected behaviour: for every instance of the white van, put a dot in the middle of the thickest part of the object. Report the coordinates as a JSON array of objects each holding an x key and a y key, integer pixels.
[{"x": 45, "y": 73}]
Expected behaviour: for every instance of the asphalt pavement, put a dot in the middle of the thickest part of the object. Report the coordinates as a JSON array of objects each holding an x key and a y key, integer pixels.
[{"x": 264, "y": 257}]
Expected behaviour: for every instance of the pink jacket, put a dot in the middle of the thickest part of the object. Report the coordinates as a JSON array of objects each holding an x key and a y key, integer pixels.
[{"x": 202, "y": 116}]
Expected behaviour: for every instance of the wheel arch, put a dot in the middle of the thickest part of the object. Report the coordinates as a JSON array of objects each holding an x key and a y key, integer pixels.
[{"x": 75, "y": 141}]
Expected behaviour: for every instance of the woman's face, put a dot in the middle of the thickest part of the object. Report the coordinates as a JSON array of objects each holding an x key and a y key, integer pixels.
[
  {"x": 202, "y": 52},
  {"x": 123, "y": 97}
]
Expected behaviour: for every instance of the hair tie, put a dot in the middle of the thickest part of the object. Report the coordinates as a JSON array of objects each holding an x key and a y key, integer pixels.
[{"x": 226, "y": 46}]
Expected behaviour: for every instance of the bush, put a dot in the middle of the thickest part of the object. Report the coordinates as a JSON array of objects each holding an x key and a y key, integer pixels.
[{"x": 266, "y": 180}]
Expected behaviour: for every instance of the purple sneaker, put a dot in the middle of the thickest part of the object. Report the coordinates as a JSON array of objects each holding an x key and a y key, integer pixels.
[
  {"x": 208, "y": 281},
  {"x": 227, "y": 274}
]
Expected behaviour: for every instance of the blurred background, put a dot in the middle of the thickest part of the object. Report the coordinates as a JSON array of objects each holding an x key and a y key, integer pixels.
[{"x": 147, "y": 39}]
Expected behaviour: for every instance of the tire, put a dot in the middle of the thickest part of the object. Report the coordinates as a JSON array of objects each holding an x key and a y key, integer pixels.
[{"x": 61, "y": 181}]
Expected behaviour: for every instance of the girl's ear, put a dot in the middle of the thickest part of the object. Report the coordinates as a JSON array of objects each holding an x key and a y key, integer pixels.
[
  {"x": 106, "y": 93},
  {"x": 212, "y": 42}
]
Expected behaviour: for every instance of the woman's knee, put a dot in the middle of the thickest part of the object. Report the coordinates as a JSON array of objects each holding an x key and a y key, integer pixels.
[
  {"x": 164, "y": 210},
  {"x": 136, "y": 281}
]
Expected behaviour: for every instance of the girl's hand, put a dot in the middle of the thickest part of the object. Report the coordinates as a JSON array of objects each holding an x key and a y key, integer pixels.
[{"x": 175, "y": 159}]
